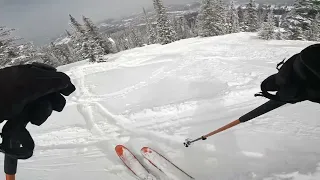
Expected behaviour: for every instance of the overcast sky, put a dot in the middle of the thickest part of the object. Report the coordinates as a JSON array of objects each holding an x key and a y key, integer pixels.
[{"x": 40, "y": 20}]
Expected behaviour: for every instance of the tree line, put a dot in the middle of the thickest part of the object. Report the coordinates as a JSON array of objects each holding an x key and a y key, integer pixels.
[{"x": 214, "y": 17}]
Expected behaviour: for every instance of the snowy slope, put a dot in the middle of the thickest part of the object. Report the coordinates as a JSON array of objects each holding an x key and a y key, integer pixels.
[{"x": 158, "y": 96}]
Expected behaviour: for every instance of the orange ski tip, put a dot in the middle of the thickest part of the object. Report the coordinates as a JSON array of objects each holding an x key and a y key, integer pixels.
[
  {"x": 119, "y": 150},
  {"x": 146, "y": 150}
]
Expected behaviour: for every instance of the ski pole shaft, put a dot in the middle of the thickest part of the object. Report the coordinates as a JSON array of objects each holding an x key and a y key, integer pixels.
[
  {"x": 264, "y": 108},
  {"x": 10, "y": 177},
  {"x": 228, "y": 126},
  {"x": 10, "y": 163}
]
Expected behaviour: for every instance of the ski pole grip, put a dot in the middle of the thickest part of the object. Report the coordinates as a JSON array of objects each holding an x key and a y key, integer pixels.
[
  {"x": 264, "y": 108},
  {"x": 10, "y": 165}
]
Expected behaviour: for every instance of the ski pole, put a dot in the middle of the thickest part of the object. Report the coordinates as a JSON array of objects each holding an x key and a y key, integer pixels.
[
  {"x": 10, "y": 162},
  {"x": 10, "y": 167},
  {"x": 264, "y": 108}
]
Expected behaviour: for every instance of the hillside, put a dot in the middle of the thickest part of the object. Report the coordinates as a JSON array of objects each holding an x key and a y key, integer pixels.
[
  {"x": 158, "y": 96},
  {"x": 189, "y": 11}
]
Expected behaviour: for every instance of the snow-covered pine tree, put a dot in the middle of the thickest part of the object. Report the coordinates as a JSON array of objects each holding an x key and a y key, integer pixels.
[
  {"x": 220, "y": 12},
  {"x": 27, "y": 53},
  {"x": 119, "y": 39},
  {"x": 8, "y": 49},
  {"x": 152, "y": 38},
  {"x": 205, "y": 19},
  {"x": 210, "y": 23},
  {"x": 90, "y": 27},
  {"x": 251, "y": 18},
  {"x": 78, "y": 39},
  {"x": 278, "y": 34},
  {"x": 297, "y": 34},
  {"x": 126, "y": 39},
  {"x": 297, "y": 22},
  {"x": 135, "y": 38},
  {"x": 125, "y": 43},
  {"x": 262, "y": 14},
  {"x": 186, "y": 30},
  {"x": 87, "y": 52},
  {"x": 242, "y": 22},
  {"x": 177, "y": 24},
  {"x": 14, "y": 53},
  {"x": 46, "y": 56},
  {"x": 292, "y": 26},
  {"x": 314, "y": 32},
  {"x": 68, "y": 33},
  {"x": 166, "y": 33},
  {"x": 232, "y": 19},
  {"x": 76, "y": 25},
  {"x": 61, "y": 54},
  {"x": 100, "y": 44},
  {"x": 194, "y": 29},
  {"x": 267, "y": 31}
]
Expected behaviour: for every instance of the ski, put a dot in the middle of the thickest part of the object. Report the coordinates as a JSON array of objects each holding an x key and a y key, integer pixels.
[
  {"x": 133, "y": 164},
  {"x": 160, "y": 162}
]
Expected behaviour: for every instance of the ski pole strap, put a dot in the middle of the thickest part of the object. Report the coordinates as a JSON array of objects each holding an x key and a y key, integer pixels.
[{"x": 264, "y": 108}]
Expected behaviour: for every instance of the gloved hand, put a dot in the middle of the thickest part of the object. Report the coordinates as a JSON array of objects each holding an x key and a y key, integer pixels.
[
  {"x": 29, "y": 93},
  {"x": 25, "y": 84},
  {"x": 297, "y": 80}
]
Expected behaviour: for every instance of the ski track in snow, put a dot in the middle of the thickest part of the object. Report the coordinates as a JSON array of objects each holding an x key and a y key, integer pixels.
[{"x": 158, "y": 96}]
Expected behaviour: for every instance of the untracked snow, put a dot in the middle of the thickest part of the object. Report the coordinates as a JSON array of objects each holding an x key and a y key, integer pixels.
[{"x": 157, "y": 96}]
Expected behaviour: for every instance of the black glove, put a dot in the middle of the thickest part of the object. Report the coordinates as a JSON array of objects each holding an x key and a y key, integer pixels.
[
  {"x": 29, "y": 93},
  {"x": 24, "y": 84},
  {"x": 298, "y": 78}
]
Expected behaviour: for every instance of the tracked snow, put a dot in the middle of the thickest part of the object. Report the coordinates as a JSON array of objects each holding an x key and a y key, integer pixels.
[{"x": 157, "y": 96}]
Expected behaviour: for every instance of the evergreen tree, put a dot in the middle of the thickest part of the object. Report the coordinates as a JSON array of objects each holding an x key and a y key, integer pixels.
[
  {"x": 298, "y": 21},
  {"x": 233, "y": 19},
  {"x": 314, "y": 32},
  {"x": 68, "y": 33},
  {"x": 14, "y": 53},
  {"x": 262, "y": 16},
  {"x": 251, "y": 18},
  {"x": 242, "y": 22},
  {"x": 8, "y": 48},
  {"x": 78, "y": 39},
  {"x": 177, "y": 24},
  {"x": 76, "y": 25},
  {"x": 267, "y": 31},
  {"x": 220, "y": 13},
  {"x": 97, "y": 42},
  {"x": 296, "y": 34},
  {"x": 166, "y": 34},
  {"x": 60, "y": 54},
  {"x": 186, "y": 30},
  {"x": 194, "y": 27},
  {"x": 136, "y": 39},
  {"x": 46, "y": 56},
  {"x": 293, "y": 26},
  {"x": 152, "y": 38},
  {"x": 278, "y": 34},
  {"x": 210, "y": 23}
]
